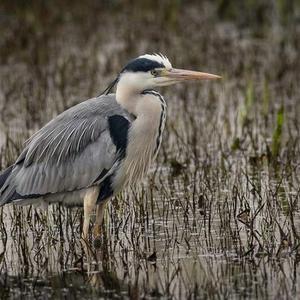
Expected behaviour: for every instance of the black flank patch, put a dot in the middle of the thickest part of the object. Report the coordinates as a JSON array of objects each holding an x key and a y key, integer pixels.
[
  {"x": 105, "y": 190},
  {"x": 142, "y": 65},
  {"x": 102, "y": 174},
  {"x": 118, "y": 129}
]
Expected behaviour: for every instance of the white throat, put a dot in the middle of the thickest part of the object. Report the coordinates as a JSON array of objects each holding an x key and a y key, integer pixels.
[{"x": 126, "y": 96}]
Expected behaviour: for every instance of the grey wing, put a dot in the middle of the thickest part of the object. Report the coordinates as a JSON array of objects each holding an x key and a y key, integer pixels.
[{"x": 68, "y": 153}]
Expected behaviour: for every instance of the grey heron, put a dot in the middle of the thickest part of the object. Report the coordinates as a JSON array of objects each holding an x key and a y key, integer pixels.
[{"x": 88, "y": 153}]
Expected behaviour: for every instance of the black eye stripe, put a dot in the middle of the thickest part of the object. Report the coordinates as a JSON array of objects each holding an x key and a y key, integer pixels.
[{"x": 142, "y": 65}]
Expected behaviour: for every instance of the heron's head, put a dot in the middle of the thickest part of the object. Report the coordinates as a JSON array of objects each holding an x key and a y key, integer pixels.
[{"x": 151, "y": 71}]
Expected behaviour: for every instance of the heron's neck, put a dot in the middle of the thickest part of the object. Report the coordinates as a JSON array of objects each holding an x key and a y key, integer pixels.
[
  {"x": 145, "y": 133},
  {"x": 127, "y": 97}
]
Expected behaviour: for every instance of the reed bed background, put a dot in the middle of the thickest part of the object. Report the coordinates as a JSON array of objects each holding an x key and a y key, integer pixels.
[{"x": 218, "y": 216}]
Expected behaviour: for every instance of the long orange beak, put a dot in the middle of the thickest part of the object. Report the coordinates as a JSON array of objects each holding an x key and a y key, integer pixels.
[{"x": 180, "y": 74}]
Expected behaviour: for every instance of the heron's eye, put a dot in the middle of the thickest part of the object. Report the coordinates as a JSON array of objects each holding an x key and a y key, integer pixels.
[{"x": 154, "y": 73}]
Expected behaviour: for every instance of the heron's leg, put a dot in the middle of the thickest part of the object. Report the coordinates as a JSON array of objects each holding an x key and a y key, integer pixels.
[
  {"x": 100, "y": 209},
  {"x": 89, "y": 204}
]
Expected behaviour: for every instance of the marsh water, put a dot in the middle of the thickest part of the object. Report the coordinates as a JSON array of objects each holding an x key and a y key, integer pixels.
[{"x": 218, "y": 215}]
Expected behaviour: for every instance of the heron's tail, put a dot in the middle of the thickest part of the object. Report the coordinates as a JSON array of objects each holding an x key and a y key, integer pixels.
[
  {"x": 4, "y": 175},
  {"x": 3, "y": 178}
]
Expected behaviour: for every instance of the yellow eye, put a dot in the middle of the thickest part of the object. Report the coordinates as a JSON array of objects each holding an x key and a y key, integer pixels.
[{"x": 154, "y": 72}]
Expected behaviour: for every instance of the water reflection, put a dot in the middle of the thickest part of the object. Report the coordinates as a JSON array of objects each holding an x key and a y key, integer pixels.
[{"x": 42, "y": 254}]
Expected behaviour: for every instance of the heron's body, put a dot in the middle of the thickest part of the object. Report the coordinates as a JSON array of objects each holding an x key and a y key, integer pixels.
[
  {"x": 61, "y": 163},
  {"x": 91, "y": 151}
]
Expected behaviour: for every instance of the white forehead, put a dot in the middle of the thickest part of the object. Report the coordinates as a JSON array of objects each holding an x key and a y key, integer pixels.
[{"x": 159, "y": 58}]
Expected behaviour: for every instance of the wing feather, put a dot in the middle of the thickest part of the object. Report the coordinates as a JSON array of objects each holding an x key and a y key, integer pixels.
[{"x": 68, "y": 153}]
